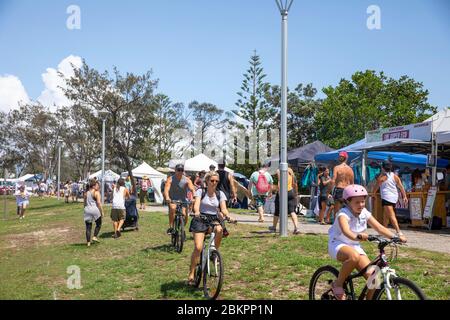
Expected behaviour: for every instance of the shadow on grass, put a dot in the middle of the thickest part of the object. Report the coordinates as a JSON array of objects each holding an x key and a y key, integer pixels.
[
  {"x": 161, "y": 248},
  {"x": 106, "y": 235},
  {"x": 177, "y": 289}
]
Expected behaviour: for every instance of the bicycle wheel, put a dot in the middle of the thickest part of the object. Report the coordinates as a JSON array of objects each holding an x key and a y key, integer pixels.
[
  {"x": 320, "y": 284},
  {"x": 174, "y": 232},
  {"x": 213, "y": 276},
  {"x": 180, "y": 235},
  {"x": 402, "y": 289}
]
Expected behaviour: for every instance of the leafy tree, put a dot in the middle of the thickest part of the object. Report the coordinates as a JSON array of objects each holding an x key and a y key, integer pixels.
[
  {"x": 205, "y": 116},
  {"x": 301, "y": 109},
  {"x": 168, "y": 119},
  {"x": 127, "y": 100},
  {"x": 369, "y": 101}
]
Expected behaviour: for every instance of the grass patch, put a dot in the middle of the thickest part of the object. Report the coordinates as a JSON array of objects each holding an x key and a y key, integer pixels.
[{"x": 37, "y": 251}]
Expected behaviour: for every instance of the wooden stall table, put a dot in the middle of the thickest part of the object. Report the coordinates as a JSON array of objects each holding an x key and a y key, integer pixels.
[{"x": 439, "y": 209}]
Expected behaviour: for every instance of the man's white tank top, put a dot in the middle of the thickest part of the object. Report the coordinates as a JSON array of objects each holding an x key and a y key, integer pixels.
[
  {"x": 388, "y": 188},
  {"x": 119, "y": 198}
]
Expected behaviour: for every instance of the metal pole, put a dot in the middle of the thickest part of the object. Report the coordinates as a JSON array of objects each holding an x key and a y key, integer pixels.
[
  {"x": 103, "y": 161},
  {"x": 283, "y": 163},
  {"x": 434, "y": 152},
  {"x": 59, "y": 169},
  {"x": 4, "y": 194}
]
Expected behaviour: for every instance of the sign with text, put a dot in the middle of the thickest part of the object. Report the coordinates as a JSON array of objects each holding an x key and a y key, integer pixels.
[
  {"x": 431, "y": 197},
  {"x": 419, "y": 131},
  {"x": 415, "y": 208}
]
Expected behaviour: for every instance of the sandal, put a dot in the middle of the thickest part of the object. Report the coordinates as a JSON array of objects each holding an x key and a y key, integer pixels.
[
  {"x": 338, "y": 292},
  {"x": 296, "y": 231}
]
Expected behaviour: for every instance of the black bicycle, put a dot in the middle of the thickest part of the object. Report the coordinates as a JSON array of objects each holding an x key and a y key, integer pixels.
[
  {"x": 178, "y": 233},
  {"x": 210, "y": 266},
  {"x": 384, "y": 279}
]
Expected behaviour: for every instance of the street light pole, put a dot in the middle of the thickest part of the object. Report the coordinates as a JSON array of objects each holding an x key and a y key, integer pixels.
[
  {"x": 284, "y": 7},
  {"x": 59, "y": 168},
  {"x": 103, "y": 158}
]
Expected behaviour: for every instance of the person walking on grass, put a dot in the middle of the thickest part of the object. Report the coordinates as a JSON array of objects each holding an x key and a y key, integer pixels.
[
  {"x": 146, "y": 184},
  {"x": 22, "y": 200},
  {"x": 324, "y": 192},
  {"x": 261, "y": 187},
  {"x": 93, "y": 211},
  {"x": 292, "y": 201},
  {"x": 120, "y": 194},
  {"x": 388, "y": 182},
  {"x": 342, "y": 177}
]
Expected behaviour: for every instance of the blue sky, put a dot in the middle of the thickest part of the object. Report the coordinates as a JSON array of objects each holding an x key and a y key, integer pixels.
[{"x": 199, "y": 49}]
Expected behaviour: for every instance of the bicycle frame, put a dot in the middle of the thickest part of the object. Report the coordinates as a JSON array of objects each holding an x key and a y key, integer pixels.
[{"x": 382, "y": 263}]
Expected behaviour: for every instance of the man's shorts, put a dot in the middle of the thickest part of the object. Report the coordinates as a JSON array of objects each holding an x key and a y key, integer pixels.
[
  {"x": 260, "y": 200},
  {"x": 117, "y": 214},
  {"x": 338, "y": 194}
]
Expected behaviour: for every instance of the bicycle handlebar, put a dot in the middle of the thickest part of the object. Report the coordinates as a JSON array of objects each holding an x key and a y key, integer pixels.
[{"x": 382, "y": 240}]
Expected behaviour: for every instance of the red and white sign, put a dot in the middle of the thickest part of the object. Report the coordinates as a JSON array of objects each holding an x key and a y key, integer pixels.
[{"x": 418, "y": 131}]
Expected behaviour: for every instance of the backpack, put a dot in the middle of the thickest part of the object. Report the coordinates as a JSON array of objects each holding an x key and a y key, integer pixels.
[{"x": 262, "y": 186}]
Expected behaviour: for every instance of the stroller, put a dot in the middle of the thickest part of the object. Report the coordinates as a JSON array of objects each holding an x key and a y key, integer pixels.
[{"x": 132, "y": 217}]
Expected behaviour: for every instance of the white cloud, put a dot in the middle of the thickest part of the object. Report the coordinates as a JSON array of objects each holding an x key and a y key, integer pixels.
[
  {"x": 12, "y": 93},
  {"x": 52, "y": 94}
]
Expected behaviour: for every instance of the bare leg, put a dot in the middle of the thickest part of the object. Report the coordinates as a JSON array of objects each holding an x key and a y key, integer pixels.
[
  {"x": 350, "y": 259},
  {"x": 275, "y": 221},
  {"x": 261, "y": 213},
  {"x": 172, "y": 209},
  {"x": 198, "y": 247},
  {"x": 294, "y": 220},
  {"x": 362, "y": 263},
  {"x": 390, "y": 213},
  {"x": 219, "y": 233},
  {"x": 120, "y": 224},
  {"x": 322, "y": 211},
  {"x": 330, "y": 209}
]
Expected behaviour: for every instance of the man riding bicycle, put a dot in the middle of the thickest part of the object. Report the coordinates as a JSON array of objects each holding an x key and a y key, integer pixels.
[
  {"x": 176, "y": 190},
  {"x": 211, "y": 204}
]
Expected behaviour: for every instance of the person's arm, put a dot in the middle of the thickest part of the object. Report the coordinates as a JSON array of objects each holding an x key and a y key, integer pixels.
[
  {"x": 85, "y": 199},
  {"x": 380, "y": 180},
  {"x": 233, "y": 187},
  {"x": 127, "y": 194},
  {"x": 190, "y": 185},
  {"x": 250, "y": 185},
  {"x": 197, "y": 205},
  {"x": 402, "y": 189},
  {"x": 378, "y": 227},
  {"x": 345, "y": 227},
  {"x": 167, "y": 188},
  {"x": 99, "y": 202}
]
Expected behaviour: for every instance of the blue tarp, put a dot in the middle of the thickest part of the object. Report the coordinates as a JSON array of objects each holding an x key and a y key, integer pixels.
[{"x": 416, "y": 160}]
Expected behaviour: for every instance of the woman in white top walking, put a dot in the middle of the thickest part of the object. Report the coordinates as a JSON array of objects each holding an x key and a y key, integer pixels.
[
  {"x": 388, "y": 182},
  {"x": 120, "y": 193}
]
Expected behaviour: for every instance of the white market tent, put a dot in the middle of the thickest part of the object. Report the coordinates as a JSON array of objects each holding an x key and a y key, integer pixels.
[
  {"x": 441, "y": 126},
  {"x": 196, "y": 164},
  {"x": 110, "y": 176},
  {"x": 155, "y": 176},
  {"x": 27, "y": 178}
]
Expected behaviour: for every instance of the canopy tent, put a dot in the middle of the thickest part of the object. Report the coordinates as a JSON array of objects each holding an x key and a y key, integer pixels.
[
  {"x": 155, "y": 176},
  {"x": 110, "y": 176},
  {"x": 441, "y": 126},
  {"x": 418, "y": 160},
  {"x": 28, "y": 178},
  {"x": 196, "y": 164},
  {"x": 305, "y": 154}
]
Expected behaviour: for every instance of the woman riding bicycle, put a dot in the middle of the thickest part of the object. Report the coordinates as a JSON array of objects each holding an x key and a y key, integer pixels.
[
  {"x": 211, "y": 204},
  {"x": 347, "y": 232}
]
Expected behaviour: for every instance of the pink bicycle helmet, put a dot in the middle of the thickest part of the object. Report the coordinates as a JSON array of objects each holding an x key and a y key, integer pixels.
[{"x": 354, "y": 190}]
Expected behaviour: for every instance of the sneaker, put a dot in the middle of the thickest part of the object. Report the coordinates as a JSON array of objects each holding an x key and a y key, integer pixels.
[
  {"x": 118, "y": 234},
  {"x": 272, "y": 229},
  {"x": 170, "y": 231},
  {"x": 88, "y": 244},
  {"x": 95, "y": 239},
  {"x": 296, "y": 231}
]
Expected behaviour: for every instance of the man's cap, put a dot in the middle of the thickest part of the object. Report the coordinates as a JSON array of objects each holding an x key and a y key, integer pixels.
[
  {"x": 212, "y": 167},
  {"x": 179, "y": 166},
  {"x": 343, "y": 154}
]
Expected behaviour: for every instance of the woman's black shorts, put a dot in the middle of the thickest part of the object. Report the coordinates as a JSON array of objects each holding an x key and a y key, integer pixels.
[
  {"x": 292, "y": 203},
  {"x": 198, "y": 225},
  {"x": 385, "y": 203},
  {"x": 322, "y": 199}
]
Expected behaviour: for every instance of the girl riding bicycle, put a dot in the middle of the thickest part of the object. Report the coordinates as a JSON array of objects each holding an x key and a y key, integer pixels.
[
  {"x": 346, "y": 234},
  {"x": 211, "y": 204}
]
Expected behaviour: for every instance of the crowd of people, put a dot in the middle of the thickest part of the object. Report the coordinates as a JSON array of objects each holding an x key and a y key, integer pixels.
[{"x": 209, "y": 194}]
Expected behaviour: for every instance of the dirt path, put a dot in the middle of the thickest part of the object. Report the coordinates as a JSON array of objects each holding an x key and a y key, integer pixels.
[{"x": 420, "y": 239}]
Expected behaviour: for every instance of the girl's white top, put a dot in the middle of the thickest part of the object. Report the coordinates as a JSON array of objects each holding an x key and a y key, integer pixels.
[{"x": 357, "y": 225}]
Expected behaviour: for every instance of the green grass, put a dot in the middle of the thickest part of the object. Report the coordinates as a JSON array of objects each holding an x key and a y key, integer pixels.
[{"x": 36, "y": 252}]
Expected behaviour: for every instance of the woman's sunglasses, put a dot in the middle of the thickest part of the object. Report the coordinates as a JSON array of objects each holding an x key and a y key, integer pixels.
[{"x": 214, "y": 181}]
